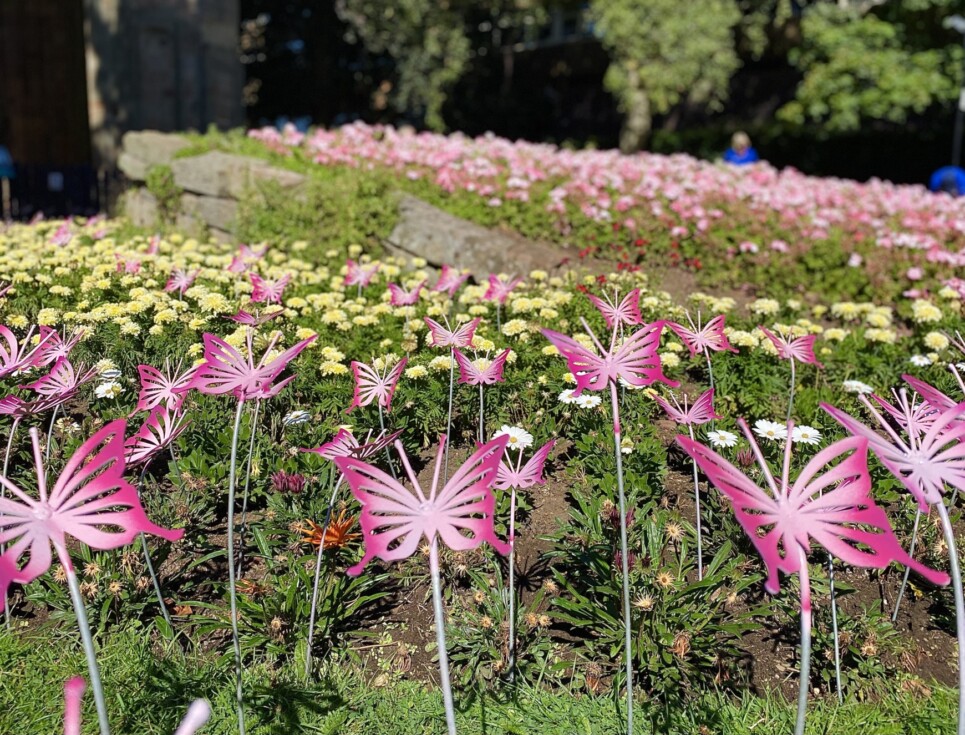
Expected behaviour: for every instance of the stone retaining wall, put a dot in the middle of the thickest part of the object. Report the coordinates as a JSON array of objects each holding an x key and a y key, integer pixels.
[{"x": 213, "y": 184}]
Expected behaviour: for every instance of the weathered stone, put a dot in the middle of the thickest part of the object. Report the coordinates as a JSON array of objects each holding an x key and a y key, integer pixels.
[
  {"x": 140, "y": 206},
  {"x": 143, "y": 149},
  {"x": 427, "y": 232},
  {"x": 215, "y": 212},
  {"x": 220, "y": 174}
]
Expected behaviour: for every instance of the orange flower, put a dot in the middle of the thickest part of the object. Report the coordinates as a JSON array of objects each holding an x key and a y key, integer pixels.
[{"x": 337, "y": 534}]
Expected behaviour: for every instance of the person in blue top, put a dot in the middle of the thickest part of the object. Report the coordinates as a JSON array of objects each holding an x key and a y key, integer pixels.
[
  {"x": 741, "y": 152},
  {"x": 949, "y": 179}
]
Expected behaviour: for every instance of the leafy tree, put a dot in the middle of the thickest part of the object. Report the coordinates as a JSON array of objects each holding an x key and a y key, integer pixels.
[
  {"x": 873, "y": 60},
  {"x": 433, "y": 42},
  {"x": 664, "y": 52}
]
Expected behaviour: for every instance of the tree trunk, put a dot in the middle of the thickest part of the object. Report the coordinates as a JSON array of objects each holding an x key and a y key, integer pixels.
[{"x": 638, "y": 120}]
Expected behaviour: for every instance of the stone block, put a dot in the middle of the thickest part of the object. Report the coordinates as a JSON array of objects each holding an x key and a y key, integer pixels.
[{"x": 142, "y": 149}]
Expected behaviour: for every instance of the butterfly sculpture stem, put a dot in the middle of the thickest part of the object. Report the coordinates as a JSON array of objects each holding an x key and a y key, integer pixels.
[
  {"x": 834, "y": 626},
  {"x": 150, "y": 565},
  {"x": 452, "y": 378},
  {"x": 87, "y": 640},
  {"x": 388, "y": 455},
  {"x": 318, "y": 574},
  {"x": 790, "y": 396},
  {"x": 804, "y": 685},
  {"x": 959, "y": 609},
  {"x": 50, "y": 433},
  {"x": 441, "y": 637},
  {"x": 3, "y": 494},
  {"x": 512, "y": 583},
  {"x": 710, "y": 368},
  {"x": 499, "y": 317},
  {"x": 624, "y": 555},
  {"x": 482, "y": 430},
  {"x": 244, "y": 500},
  {"x": 911, "y": 552},
  {"x": 700, "y": 550},
  {"x": 232, "y": 590}
]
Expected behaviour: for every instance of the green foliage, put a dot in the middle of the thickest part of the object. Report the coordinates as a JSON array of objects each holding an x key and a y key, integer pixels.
[
  {"x": 160, "y": 183},
  {"x": 860, "y": 66},
  {"x": 664, "y": 53},
  {"x": 432, "y": 43}
]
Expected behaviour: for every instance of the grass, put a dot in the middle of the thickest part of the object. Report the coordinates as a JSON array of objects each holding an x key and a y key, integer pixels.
[{"x": 150, "y": 684}]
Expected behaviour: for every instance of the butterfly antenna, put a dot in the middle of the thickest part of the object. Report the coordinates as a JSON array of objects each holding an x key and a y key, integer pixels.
[
  {"x": 884, "y": 423},
  {"x": 438, "y": 467},
  {"x": 39, "y": 462},
  {"x": 589, "y": 331},
  {"x": 760, "y": 457},
  {"x": 400, "y": 450},
  {"x": 958, "y": 377},
  {"x": 911, "y": 427}
]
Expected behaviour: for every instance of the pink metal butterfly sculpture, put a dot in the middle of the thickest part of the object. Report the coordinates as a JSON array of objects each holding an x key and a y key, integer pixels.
[
  {"x": 471, "y": 374},
  {"x": 929, "y": 457},
  {"x": 344, "y": 444},
  {"x": 16, "y": 355},
  {"x": 5, "y": 288},
  {"x": 53, "y": 346},
  {"x": 154, "y": 245},
  {"x": 829, "y": 502},
  {"x": 268, "y": 292},
  {"x": 360, "y": 275},
  {"x": 520, "y": 476},
  {"x": 700, "y": 338},
  {"x": 159, "y": 430},
  {"x": 250, "y": 253},
  {"x": 225, "y": 370},
  {"x": 636, "y": 361},
  {"x": 62, "y": 236},
  {"x": 799, "y": 349},
  {"x": 700, "y": 412},
  {"x": 499, "y": 290},
  {"x": 181, "y": 280},
  {"x": 90, "y": 501},
  {"x": 371, "y": 385},
  {"x": 398, "y": 296},
  {"x": 450, "y": 279},
  {"x": 934, "y": 398},
  {"x": 461, "y": 337},
  {"x": 166, "y": 388},
  {"x": 626, "y": 313},
  {"x": 196, "y": 717},
  {"x": 394, "y": 519},
  {"x": 61, "y": 380},
  {"x": 255, "y": 320}
]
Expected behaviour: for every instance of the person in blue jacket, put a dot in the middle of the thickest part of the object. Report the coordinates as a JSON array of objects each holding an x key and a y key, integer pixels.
[
  {"x": 949, "y": 179},
  {"x": 741, "y": 152}
]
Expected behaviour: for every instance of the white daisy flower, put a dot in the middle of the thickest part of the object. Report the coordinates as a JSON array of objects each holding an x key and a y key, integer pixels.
[
  {"x": 110, "y": 389},
  {"x": 567, "y": 396},
  {"x": 722, "y": 438},
  {"x": 770, "y": 430},
  {"x": 920, "y": 360},
  {"x": 856, "y": 386},
  {"x": 519, "y": 438},
  {"x": 294, "y": 418},
  {"x": 588, "y": 401},
  {"x": 805, "y": 435}
]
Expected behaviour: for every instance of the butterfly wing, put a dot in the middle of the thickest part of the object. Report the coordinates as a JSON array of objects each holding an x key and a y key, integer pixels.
[
  {"x": 268, "y": 373},
  {"x": 343, "y": 444},
  {"x": 224, "y": 369},
  {"x": 702, "y": 410},
  {"x": 589, "y": 369},
  {"x": 531, "y": 473},
  {"x": 494, "y": 372},
  {"x": 609, "y": 312},
  {"x": 393, "y": 519},
  {"x": 391, "y": 382},
  {"x": 802, "y": 350},
  {"x": 831, "y": 502},
  {"x": 368, "y": 385},
  {"x": 156, "y": 388},
  {"x": 160, "y": 429},
  {"x": 468, "y": 372},
  {"x": 462, "y": 512},
  {"x": 757, "y": 511},
  {"x": 637, "y": 361},
  {"x": 376, "y": 446},
  {"x": 672, "y": 411},
  {"x": 938, "y": 400}
]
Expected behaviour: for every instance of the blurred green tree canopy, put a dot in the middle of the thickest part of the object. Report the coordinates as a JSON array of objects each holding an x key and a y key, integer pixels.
[{"x": 858, "y": 60}]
